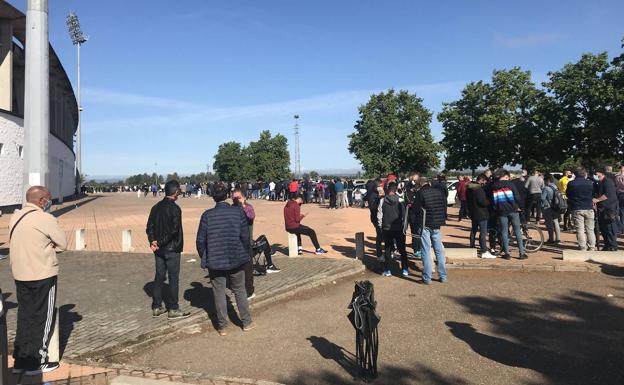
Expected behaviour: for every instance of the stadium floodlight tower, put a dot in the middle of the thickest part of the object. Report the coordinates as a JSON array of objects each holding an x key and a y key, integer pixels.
[
  {"x": 297, "y": 149},
  {"x": 78, "y": 38}
]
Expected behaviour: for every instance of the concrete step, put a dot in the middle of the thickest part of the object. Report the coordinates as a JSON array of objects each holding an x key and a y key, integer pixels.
[{"x": 609, "y": 257}]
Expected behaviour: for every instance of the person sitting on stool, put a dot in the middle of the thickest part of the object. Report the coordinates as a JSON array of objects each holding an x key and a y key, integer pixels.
[{"x": 292, "y": 219}]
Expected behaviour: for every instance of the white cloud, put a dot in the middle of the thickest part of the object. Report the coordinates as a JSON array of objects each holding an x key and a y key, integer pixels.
[
  {"x": 530, "y": 40},
  {"x": 183, "y": 113}
]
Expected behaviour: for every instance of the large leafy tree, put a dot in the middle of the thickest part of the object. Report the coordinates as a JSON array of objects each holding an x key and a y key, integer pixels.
[
  {"x": 229, "y": 162},
  {"x": 392, "y": 134},
  {"x": 586, "y": 94},
  {"x": 268, "y": 158},
  {"x": 493, "y": 124},
  {"x": 464, "y": 135}
]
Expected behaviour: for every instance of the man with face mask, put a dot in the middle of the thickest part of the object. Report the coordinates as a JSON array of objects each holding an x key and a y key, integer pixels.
[{"x": 35, "y": 237}]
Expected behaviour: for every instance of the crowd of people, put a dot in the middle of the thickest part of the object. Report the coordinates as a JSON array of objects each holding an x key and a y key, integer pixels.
[{"x": 592, "y": 206}]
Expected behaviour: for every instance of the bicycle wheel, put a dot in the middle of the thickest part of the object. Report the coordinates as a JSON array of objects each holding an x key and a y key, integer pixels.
[{"x": 533, "y": 237}]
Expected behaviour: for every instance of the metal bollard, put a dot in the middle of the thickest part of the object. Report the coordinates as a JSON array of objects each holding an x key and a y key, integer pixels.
[
  {"x": 4, "y": 344},
  {"x": 359, "y": 246}
]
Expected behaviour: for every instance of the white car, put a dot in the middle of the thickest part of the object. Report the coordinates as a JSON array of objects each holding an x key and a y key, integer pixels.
[{"x": 452, "y": 192}]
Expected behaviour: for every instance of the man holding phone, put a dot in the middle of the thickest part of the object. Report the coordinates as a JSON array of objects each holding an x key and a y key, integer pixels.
[{"x": 292, "y": 220}]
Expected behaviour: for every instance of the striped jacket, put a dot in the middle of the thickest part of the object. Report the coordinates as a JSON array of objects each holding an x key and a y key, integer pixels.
[{"x": 505, "y": 197}]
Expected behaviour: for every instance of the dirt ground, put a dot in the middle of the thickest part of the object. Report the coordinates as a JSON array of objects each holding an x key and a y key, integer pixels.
[{"x": 481, "y": 327}]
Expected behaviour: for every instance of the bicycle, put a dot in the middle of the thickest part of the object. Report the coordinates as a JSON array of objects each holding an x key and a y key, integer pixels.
[{"x": 532, "y": 236}]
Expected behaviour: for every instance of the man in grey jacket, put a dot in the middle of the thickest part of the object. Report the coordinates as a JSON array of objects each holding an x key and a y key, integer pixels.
[{"x": 534, "y": 186}]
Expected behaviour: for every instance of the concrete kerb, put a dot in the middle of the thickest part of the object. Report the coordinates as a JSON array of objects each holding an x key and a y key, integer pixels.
[
  {"x": 607, "y": 257},
  {"x": 129, "y": 375},
  {"x": 175, "y": 328}
]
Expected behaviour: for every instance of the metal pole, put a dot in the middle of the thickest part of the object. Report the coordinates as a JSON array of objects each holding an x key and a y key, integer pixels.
[
  {"x": 36, "y": 95},
  {"x": 78, "y": 130},
  {"x": 4, "y": 344}
]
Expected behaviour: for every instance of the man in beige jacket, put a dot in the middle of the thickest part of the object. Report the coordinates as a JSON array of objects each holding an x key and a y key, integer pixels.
[{"x": 35, "y": 238}]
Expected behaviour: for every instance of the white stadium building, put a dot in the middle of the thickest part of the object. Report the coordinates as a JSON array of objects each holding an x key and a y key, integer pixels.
[{"x": 63, "y": 116}]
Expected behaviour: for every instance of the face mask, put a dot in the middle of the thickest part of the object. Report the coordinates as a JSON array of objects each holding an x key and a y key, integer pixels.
[
  {"x": 47, "y": 206},
  {"x": 596, "y": 178}
]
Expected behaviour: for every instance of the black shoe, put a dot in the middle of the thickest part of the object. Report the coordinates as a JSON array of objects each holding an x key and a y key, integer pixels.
[
  {"x": 523, "y": 256},
  {"x": 272, "y": 269},
  {"x": 506, "y": 256}
]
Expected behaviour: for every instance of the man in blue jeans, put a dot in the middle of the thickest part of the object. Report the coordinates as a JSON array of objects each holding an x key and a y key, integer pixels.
[
  {"x": 433, "y": 202},
  {"x": 505, "y": 203}
]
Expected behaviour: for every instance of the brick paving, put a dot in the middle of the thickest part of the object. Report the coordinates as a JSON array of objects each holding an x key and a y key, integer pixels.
[{"x": 103, "y": 301}]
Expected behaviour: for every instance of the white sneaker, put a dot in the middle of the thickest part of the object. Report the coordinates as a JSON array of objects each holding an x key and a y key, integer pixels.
[{"x": 488, "y": 255}]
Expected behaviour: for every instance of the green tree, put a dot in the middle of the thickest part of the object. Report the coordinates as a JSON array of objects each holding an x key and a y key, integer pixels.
[
  {"x": 314, "y": 175},
  {"x": 586, "y": 96},
  {"x": 228, "y": 161},
  {"x": 464, "y": 135},
  {"x": 392, "y": 134},
  {"x": 268, "y": 158}
]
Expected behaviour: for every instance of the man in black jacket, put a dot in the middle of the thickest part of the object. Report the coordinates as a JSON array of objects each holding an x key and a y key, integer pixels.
[
  {"x": 433, "y": 201},
  {"x": 372, "y": 197},
  {"x": 223, "y": 246},
  {"x": 411, "y": 194},
  {"x": 166, "y": 238},
  {"x": 390, "y": 215},
  {"x": 478, "y": 206}
]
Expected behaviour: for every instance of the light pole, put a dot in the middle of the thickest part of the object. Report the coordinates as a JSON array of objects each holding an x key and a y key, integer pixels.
[
  {"x": 297, "y": 150},
  {"x": 36, "y": 96},
  {"x": 78, "y": 38}
]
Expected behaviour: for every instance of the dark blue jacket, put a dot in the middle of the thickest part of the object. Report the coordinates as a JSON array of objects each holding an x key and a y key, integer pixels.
[
  {"x": 223, "y": 238},
  {"x": 580, "y": 192}
]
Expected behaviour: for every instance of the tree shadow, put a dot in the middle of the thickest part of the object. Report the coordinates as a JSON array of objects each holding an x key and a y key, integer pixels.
[
  {"x": 388, "y": 375},
  {"x": 574, "y": 339},
  {"x": 67, "y": 319}
]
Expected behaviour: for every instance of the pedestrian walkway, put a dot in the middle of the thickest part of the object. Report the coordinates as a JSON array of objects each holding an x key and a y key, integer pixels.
[{"x": 104, "y": 298}]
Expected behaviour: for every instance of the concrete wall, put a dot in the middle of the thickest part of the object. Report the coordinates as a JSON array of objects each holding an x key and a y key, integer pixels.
[
  {"x": 61, "y": 162},
  {"x": 11, "y": 136}
]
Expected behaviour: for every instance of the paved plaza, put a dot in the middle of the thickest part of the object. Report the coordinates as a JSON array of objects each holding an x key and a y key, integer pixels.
[
  {"x": 105, "y": 216},
  {"x": 481, "y": 327},
  {"x": 522, "y": 326},
  {"x": 104, "y": 298}
]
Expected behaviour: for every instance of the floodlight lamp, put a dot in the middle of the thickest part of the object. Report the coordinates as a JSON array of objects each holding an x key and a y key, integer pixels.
[{"x": 75, "y": 32}]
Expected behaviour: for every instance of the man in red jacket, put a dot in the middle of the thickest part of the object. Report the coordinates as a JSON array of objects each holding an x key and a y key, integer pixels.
[
  {"x": 293, "y": 187},
  {"x": 462, "y": 187},
  {"x": 292, "y": 220}
]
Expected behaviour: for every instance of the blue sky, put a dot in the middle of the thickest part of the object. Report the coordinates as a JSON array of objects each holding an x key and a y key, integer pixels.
[{"x": 168, "y": 81}]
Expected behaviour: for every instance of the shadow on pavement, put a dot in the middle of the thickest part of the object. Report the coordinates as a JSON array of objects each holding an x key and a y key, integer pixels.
[
  {"x": 574, "y": 339},
  {"x": 330, "y": 351},
  {"x": 66, "y": 209},
  {"x": 67, "y": 319},
  {"x": 388, "y": 375},
  {"x": 201, "y": 297}
]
